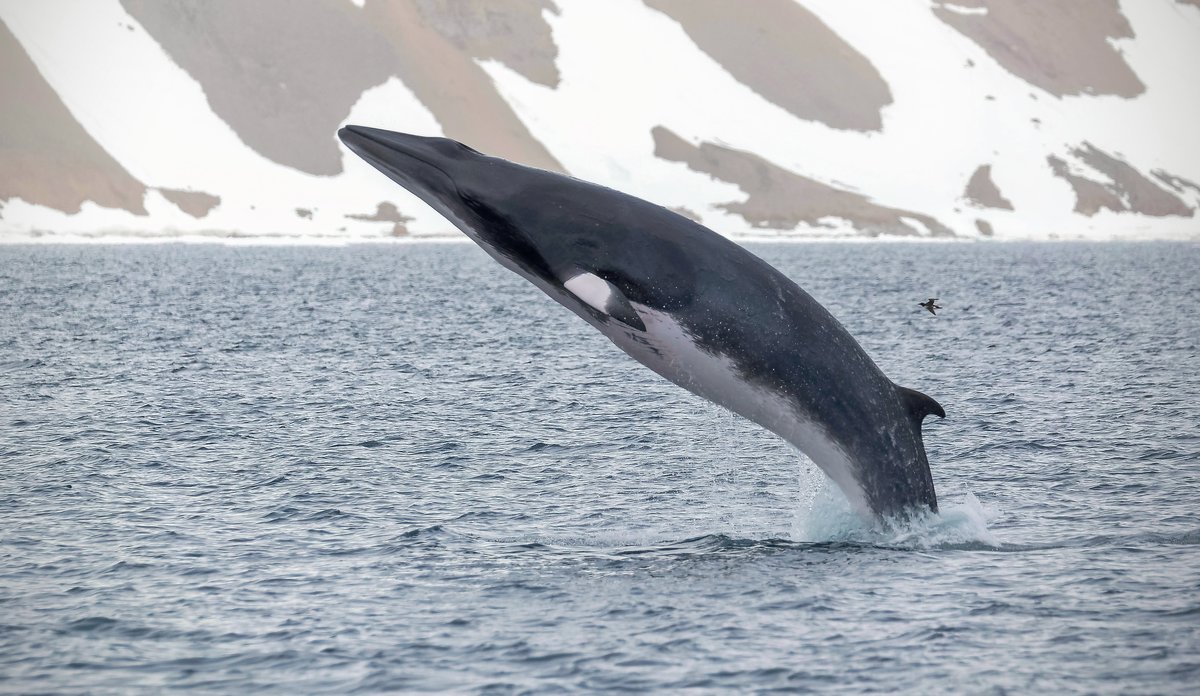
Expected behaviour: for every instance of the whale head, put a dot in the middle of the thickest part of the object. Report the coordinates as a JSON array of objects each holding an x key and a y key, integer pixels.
[
  {"x": 532, "y": 221},
  {"x": 473, "y": 191}
]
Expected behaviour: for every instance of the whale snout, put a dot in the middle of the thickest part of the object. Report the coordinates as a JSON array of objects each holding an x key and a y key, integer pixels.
[
  {"x": 433, "y": 169},
  {"x": 391, "y": 152}
]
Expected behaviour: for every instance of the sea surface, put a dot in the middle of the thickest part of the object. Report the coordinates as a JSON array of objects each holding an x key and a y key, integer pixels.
[{"x": 374, "y": 468}]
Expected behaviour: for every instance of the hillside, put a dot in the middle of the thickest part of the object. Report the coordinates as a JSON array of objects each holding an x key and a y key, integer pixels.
[{"x": 1007, "y": 119}]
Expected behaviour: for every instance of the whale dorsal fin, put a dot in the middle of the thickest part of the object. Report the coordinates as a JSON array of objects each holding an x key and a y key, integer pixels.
[
  {"x": 919, "y": 405},
  {"x": 604, "y": 298}
]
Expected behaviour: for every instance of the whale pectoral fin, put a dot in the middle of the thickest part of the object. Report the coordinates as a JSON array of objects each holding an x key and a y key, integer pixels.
[
  {"x": 604, "y": 297},
  {"x": 919, "y": 405}
]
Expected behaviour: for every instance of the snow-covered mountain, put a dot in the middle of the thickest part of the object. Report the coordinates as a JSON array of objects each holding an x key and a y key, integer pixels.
[{"x": 794, "y": 118}]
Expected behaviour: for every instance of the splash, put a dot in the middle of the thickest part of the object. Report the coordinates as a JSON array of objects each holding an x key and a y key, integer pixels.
[{"x": 826, "y": 516}]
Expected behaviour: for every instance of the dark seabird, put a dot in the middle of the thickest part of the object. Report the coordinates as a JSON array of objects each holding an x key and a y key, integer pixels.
[{"x": 930, "y": 305}]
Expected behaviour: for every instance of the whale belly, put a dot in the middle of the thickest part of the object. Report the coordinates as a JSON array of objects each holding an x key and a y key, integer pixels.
[{"x": 667, "y": 348}]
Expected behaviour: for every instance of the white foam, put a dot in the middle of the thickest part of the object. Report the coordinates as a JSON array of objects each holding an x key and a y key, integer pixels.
[{"x": 828, "y": 517}]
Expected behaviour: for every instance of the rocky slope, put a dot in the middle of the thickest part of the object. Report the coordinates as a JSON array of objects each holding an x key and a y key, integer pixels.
[{"x": 769, "y": 118}]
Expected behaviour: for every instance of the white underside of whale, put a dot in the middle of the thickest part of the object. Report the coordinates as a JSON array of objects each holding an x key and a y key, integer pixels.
[{"x": 669, "y": 350}]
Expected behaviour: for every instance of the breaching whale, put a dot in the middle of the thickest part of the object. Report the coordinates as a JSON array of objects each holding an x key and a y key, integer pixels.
[{"x": 687, "y": 303}]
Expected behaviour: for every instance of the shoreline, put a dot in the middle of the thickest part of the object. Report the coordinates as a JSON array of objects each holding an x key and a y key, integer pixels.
[{"x": 53, "y": 239}]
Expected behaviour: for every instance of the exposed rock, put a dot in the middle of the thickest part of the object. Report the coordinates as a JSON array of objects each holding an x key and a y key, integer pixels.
[
  {"x": 788, "y": 56},
  {"x": 304, "y": 213},
  {"x": 453, "y": 86},
  {"x": 984, "y": 227},
  {"x": 1127, "y": 190},
  {"x": 1090, "y": 196},
  {"x": 283, "y": 75},
  {"x": 1062, "y": 46},
  {"x": 1178, "y": 183},
  {"x": 46, "y": 156},
  {"x": 194, "y": 203},
  {"x": 982, "y": 191},
  {"x": 1141, "y": 195},
  {"x": 387, "y": 212},
  {"x": 513, "y": 32},
  {"x": 780, "y": 199}
]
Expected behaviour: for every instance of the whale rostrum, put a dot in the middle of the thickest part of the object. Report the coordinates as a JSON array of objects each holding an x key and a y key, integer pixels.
[{"x": 687, "y": 303}]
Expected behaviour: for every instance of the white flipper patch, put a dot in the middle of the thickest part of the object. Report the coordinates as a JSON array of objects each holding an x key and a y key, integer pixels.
[
  {"x": 605, "y": 298},
  {"x": 592, "y": 290}
]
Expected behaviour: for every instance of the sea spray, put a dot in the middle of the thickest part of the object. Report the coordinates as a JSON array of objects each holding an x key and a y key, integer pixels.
[{"x": 824, "y": 515}]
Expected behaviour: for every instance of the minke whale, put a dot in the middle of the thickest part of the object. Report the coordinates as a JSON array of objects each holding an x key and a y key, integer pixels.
[{"x": 687, "y": 303}]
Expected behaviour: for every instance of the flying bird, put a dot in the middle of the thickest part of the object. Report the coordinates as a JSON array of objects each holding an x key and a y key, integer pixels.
[{"x": 929, "y": 304}]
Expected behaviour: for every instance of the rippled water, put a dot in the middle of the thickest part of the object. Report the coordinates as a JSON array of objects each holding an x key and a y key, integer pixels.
[{"x": 401, "y": 467}]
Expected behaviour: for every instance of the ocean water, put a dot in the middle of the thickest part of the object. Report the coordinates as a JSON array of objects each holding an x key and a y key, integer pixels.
[{"x": 402, "y": 468}]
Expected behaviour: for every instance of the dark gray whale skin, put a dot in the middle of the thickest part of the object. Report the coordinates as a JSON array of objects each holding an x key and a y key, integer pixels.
[{"x": 687, "y": 303}]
